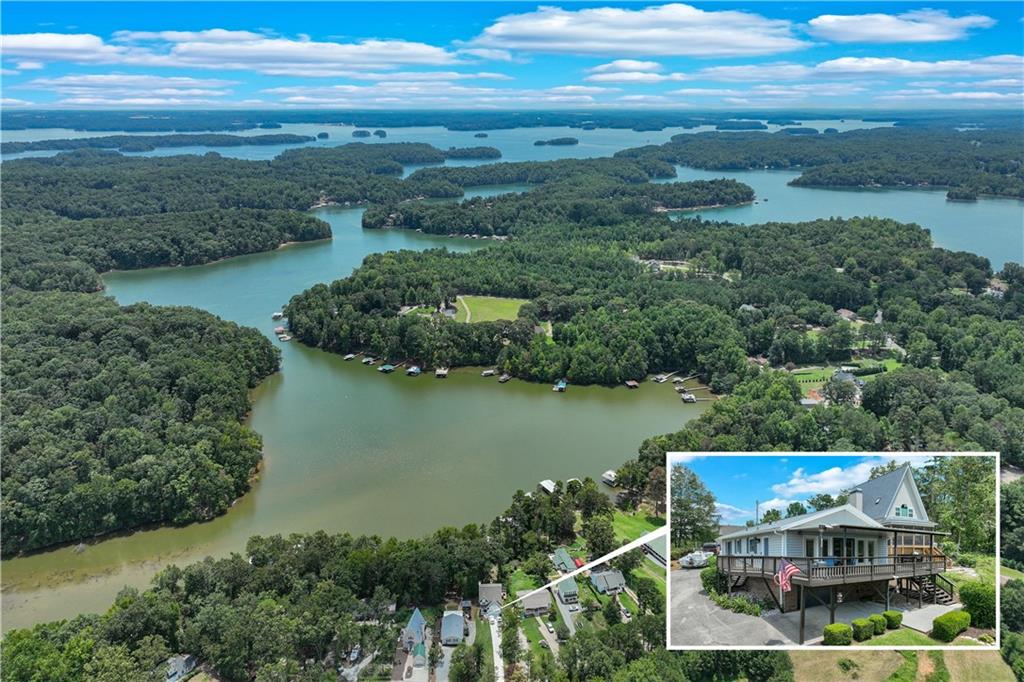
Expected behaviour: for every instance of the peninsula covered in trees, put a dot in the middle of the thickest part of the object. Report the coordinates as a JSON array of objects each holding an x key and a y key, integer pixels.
[
  {"x": 147, "y": 143},
  {"x": 976, "y": 161},
  {"x": 117, "y": 417}
]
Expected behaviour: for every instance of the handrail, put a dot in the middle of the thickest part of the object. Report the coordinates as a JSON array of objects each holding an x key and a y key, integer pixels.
[{"x": 835, "y": 568}]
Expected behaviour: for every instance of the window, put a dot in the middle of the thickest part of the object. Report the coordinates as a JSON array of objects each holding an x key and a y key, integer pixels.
[
  {"x": 752, "y": 545},
  {"x": 809, "y": 549},
  {"x": 904, "y": 512},
  {"x": 824, "y": 547},
  {"x": 860, "y": 548},
  {"x": 871, "y": 549}
]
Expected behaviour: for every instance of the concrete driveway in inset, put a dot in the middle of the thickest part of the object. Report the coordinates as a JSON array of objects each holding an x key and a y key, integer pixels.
[{"x": 695, "y": 620}]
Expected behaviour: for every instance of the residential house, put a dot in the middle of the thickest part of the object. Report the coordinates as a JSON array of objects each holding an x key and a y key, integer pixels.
[
  {"x": 607, "y": 581},
  {"x": 847, "y": 314},
  {"x": 568, "y": 591},
  {"x": 452, "y": 625},
  {"x": 179, "y": 667},
  {"x": 536, "y": 604},
  {"x": 415, "y": 632},
  {"x": 490, "y": 596},
  {"x": 563, "y": 562},
  {"x": 880, "y": 539}
]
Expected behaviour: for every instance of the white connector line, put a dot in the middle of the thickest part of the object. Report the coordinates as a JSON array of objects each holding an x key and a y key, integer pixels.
[{"x": 643, "y": 540}]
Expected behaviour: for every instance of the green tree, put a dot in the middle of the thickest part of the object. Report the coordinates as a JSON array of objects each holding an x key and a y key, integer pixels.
[
  {"x": 694, "y": 518},
  {"x": 600, "y": 536},
  {"x": 795, "y": 509}
]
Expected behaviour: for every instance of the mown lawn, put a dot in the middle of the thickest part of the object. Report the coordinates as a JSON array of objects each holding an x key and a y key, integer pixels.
[
  {"x": 824, "y": 665},
  {"x": 1011, "y": 573},
  {"x": 483, "y": 638},
  {"x": 531, "y": 628},
  {"x": 629, "y": 527},
  {"x": 519, "y": 580},
  {"x": 488, "y": 308},
  {"x": 903, "y": 637},
  {"x": 977, "y": 665},
  {"x": 656, "y": 573}
]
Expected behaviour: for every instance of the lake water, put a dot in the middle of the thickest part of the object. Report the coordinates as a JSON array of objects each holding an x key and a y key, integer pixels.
[
  {"x": 347, "y": 448},
  {"x": 993, "y": 228}
]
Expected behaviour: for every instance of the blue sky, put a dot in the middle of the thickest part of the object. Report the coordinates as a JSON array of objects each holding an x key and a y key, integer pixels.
[
  {"x": 775, "y": 481},
  {"x": 423, "y": 55}
]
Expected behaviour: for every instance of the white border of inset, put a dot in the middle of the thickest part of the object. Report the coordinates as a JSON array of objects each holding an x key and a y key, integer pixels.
[{"x": 669, "y": 456}]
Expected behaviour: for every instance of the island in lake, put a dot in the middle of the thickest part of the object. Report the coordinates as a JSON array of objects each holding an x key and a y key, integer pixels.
[
  {"x": 557, "y": 142},
  {"x": 360, "y": 133}
]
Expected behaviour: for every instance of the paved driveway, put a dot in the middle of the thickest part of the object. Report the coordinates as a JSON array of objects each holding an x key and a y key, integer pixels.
[{"x": 695, "y": 620}]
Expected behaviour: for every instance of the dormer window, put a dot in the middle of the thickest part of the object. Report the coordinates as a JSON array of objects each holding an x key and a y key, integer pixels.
[{"x": 904, "y": 512}]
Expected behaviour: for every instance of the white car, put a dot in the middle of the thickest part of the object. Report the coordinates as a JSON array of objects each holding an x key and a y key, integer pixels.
[{"x": 551, "y": 628}]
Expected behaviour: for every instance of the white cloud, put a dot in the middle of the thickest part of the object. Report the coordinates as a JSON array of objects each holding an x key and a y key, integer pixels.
[
  {"x": 83, "y": 88},
  {"x": 425, "y": 94},
  {"x": 634, "y": 77},
  {"x": 11, "y": 102},
  {"x": 9, "y": 72},
  {"x": 917, "y": 26},
  {"x": 730, "y": 513},
  {"x": 679, "y": 458},
  {"x": 755, "y": 72},
  {"x": 994, "y": 66},
  {"x": 70, "y": 47},
  {"x": 213, "y": 35},
  {"x": 673, "y": 29},
  {"x": 581, "y": 89},
  {"x": 620, "y": 65},
  {"x": 938, "y": 95},
  {"x": 226, "y": 50},
  {"x": 836, "y": 479},
  {"x": 488, "y": 54},
  {"x": 30, "y": 66}
]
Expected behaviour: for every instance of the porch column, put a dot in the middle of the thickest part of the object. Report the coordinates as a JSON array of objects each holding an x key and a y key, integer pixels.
[
  {"x": 886, "y": 595},
  {"x": 832, "y": 604},
  {"x": 803, "y": 610}
]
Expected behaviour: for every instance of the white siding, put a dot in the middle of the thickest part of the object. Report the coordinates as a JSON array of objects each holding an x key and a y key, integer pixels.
[{"x": 905, "y": 496}]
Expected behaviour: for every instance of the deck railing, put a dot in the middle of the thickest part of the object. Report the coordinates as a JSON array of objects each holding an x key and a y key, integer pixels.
[{"x": 835, "y": 569}]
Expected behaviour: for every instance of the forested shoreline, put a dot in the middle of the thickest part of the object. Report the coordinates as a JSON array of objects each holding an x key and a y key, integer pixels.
[
  {"x": 975, "y": 162},
  {"x": 147, "y": 143},
  {"x": 117, "y": 417}
]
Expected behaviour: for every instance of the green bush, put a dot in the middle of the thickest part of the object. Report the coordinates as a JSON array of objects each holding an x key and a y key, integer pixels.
[
  {"x": 838, "y": 634},
  {"x": 712, "y": 580},
  {"x": 738, "y": 604},
  {"x": 979, "y": 600},
  {"x": 863, "y": 629},
  {"x": 893, "y": 619},
  {"x": 879, "y": 622},
  {"x": 946, "y": 627}
]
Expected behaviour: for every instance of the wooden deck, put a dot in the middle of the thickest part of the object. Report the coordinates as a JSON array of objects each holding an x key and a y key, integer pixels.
[{"x": 818, "y": 572}]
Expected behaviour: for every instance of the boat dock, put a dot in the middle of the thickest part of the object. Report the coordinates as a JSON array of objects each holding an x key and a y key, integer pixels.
[
  {"x": 441, "y": 373},
  {"x": 662, "y": 378},
  {"x": 560, "y": 386}
]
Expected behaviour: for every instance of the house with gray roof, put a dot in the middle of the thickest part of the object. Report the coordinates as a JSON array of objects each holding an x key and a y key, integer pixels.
[
  {"x": 882, "y": 537},
  {"x": 490, "y": 593},
  {"x": 179, "y": 667},
  {"x": 607, "y": 581},
  {"x": 536, "y": 604},
  {"x": 563, "y": 561},
  {"x": 415, "y": 632},
  {"x": 568, "y": 591},
  {"x": 452, "y": 625}
]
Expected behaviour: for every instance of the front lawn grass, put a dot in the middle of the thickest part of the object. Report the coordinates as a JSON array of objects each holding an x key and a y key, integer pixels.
[
  {"x": 629, "y": 527},
  {"x": 483, "y": 638},
  {"x": 824, "y": 665},
  {"x": 489, "y": 308},
  {"x": 1011, "y": 573},
  {"x": 977, "y": 665},
  {"x": 531, "y": 628},
  {"x": 656, "y": 573}
]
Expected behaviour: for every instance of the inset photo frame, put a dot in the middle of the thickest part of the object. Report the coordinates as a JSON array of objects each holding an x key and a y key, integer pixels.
[{"x": 833, "y": 550}]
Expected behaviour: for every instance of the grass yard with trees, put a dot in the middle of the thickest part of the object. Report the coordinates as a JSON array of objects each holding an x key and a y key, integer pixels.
[{"x": 488, "y": 308}]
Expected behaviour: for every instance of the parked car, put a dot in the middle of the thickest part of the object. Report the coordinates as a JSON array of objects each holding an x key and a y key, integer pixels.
[{"x": 551, "y": 629}]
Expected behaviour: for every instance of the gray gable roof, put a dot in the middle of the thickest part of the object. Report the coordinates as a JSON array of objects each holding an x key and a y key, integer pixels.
[
  {"x": 490, "y": 593},
  {"x": 540, "y": 600},
  {"x": 880, "y": 493},
  {"x": 451, "y": 625}
]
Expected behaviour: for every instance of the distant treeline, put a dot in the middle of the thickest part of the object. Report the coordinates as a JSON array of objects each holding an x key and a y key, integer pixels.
[
  {"x": 976, "y": 161},
  {"x": 147, "y": 143}
]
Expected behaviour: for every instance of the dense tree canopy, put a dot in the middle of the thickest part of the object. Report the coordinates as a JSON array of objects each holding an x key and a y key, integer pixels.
[
  {"x": 115, "y": 417},
  {"x": 145, "y": 143}
]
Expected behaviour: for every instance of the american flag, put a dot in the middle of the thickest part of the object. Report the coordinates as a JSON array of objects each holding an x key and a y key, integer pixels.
[{"x": 787, "y": 570}]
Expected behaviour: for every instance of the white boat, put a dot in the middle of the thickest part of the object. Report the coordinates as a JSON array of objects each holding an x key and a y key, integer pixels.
[
  {"x": 689, "y": 397},
  {"x": 696, "y": 559},
  {"x": 609, "y": 477},
  {"x": 350, "y": 356},
  {"x": 277, "y": 316},
  {"x": 441, "y": 373},
  {"x": 285, "y": 337},
  {"x": 368, "y": 361},
  {"x": 488, "y": 373}
]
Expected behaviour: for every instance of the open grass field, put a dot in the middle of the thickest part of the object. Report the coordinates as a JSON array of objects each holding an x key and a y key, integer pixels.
[
  {"x": 631, "y": 526},
  {"x": 816, "y": 666},
  {"x": 531, "y": 628},
  {"x": 487, "y": 308},
  {"x": 977, "y": 665},
  {"x": 1011, "y": 573}
]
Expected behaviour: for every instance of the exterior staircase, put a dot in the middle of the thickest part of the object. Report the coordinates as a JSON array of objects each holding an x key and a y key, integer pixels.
[{"x": 930, "y": 591}]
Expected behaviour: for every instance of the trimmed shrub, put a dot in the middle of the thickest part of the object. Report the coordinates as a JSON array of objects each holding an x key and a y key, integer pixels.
[
  {"x": 838, "y": 634},
  {"x": 893, "y": 619},
  {"x": 863, "y": 629},
  {"x": 879, "y": 622},
  {"x": 979, "y": 600},
  {"x": 712, "y": 580},
  {"x": 946, "y": 627}
]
